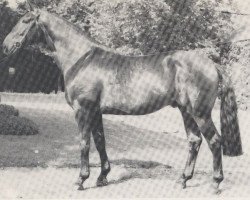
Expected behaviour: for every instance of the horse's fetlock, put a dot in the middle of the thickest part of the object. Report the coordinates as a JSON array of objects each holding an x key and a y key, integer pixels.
[
  {"x": 187, "y": 176},
  {"x": 106, "y": 167},
  {"x": 218, "y": 178},
  {"x": 84, "y": 174}
]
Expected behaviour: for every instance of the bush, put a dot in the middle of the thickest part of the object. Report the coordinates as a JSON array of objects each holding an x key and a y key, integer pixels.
[
  {"x": 7, "y": 110},
  {"x": 148, "y": 26},
  {"x": 13, "y": 125}
]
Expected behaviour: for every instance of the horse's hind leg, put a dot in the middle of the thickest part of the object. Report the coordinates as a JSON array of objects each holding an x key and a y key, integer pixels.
[
  {"x": 210, "y": 133},
  {"x": 99, "y": 139},
  {"x": 194, "y": 142}
]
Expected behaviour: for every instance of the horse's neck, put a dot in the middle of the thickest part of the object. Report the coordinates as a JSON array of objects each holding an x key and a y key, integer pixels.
[{"x": 70, "y": 44}]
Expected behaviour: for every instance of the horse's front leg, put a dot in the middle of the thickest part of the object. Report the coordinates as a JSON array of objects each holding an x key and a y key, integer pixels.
[
  {"x": 99, "y": 139},
  {"x": 84, "y": 116}
]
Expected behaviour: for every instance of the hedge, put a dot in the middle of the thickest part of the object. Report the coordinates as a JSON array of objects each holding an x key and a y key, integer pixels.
[
  {"x": 8, "y": 110},
  {"x": 12, "y": 124}
]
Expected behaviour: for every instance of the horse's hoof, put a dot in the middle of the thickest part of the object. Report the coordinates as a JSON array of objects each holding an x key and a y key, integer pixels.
[
  {"x": 78, "y": 182},
  {"x": 215, "y": 187},
  {"x": 101, "y": 182},
  {"x": 80, "y": 188},
  {"x": 183, "y": 184},
  {"x": 217, "y": 192}
]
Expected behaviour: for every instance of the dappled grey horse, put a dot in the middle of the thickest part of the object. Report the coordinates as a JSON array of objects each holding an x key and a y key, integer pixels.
[{"x": 100, "y": 81}]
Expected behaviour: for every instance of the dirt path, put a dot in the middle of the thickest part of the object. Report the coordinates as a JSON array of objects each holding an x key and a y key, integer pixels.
[
  {"x": 130, "y": 183},
  {"x": 146, "y": 165}
]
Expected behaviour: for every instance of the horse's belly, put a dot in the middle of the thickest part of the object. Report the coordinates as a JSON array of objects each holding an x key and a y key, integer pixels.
[
  {"x": 146, "y": 107},
  {"x": 141, "y": 95}
]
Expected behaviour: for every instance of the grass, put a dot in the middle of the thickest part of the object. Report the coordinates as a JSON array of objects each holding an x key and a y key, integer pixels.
[{"x": 38, "y": 150}]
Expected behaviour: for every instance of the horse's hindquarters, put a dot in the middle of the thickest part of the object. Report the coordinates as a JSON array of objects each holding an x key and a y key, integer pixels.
[{"x": 196, "y": 82}]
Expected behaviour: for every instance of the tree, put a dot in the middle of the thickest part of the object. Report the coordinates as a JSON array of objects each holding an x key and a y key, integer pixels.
[
  {"x": 146, "y": 26},
  {"x": 8, "y": 18}
]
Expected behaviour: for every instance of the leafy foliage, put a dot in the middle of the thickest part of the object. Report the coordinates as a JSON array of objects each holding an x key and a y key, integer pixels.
[
  {"x": 8, "y": 110},
  {"x": 12, "y": 124},
  {"x": 146, "y": 26},
  {"x": 8, "y": 19},
  {"x": 237, "y": 65}
]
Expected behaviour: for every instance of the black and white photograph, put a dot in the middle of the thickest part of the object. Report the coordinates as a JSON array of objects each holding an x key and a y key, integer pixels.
[{"x": 124, "y": 99}]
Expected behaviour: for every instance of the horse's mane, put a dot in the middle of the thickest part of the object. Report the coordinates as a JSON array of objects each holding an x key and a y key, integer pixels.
[
  {"x": 97, "y": 44},
  {"x": 85, "y": 34}
]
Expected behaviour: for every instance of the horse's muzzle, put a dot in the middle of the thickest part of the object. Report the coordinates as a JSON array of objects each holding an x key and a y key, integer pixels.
[{"x": 5, "y": 50}]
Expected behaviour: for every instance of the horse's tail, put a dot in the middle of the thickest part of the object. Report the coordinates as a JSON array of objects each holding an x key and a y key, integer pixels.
[{"x": 230, "y": 131}]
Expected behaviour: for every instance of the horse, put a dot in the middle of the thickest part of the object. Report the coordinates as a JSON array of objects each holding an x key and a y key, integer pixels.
[{"x": 99, "y": 80}]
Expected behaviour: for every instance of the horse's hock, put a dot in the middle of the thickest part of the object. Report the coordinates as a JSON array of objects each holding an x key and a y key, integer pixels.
[{"x": 12, "y": 124}]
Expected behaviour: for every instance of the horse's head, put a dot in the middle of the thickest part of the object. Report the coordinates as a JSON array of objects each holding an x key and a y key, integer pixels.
[{"x": 22, "y": 33}]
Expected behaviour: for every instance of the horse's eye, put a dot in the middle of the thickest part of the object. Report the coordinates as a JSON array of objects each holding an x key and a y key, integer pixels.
[
  {"x": 22, "y": 34},
  {"x": 18, "y": 44},
  {"x": 26, "y": 21}
]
